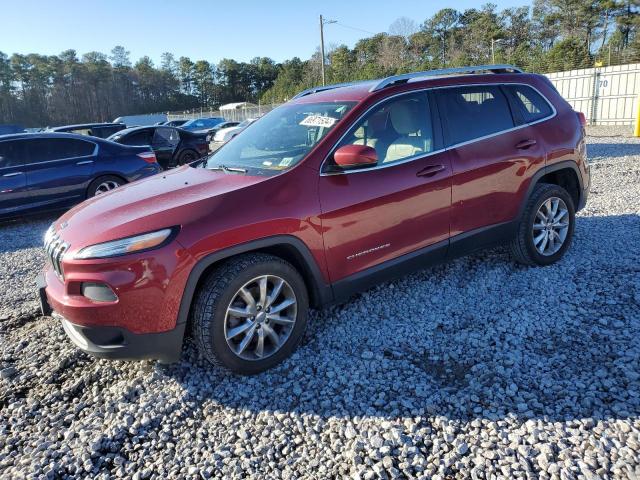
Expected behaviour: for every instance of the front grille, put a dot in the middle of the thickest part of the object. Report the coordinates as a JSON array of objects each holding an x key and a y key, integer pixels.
[{"x": 55, "y": 248}]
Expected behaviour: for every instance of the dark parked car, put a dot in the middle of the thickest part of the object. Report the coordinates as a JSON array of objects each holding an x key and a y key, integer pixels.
[
  {"x": 100, "y": 130},
  {"x": 50, "y": 171},
  {"x": 340, "y": 188},
  {"x": 172, "y": 146},
  {"x": 202, "y": 123}
]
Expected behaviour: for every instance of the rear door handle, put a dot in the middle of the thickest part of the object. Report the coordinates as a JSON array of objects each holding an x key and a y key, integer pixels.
[
  {"x": 430, "y": 170},
  {"x": 524, "y": 144},
  {"x": 14, "y": 174},
  {"x": 84, "y": 162}
]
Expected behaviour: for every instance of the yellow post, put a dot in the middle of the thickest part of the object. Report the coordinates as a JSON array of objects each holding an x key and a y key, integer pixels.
[{"x": 636, "y": 131}]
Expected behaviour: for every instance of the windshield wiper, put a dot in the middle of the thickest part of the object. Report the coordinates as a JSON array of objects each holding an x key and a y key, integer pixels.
[{"x": 226, "y": 169}]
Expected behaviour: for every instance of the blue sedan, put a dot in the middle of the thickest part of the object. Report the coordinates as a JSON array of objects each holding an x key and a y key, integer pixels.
[
  {"x": 202, "y": 123},
  {"x": 52, "y": 171}
]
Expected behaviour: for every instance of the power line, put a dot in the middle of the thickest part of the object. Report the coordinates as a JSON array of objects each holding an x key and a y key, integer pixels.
[{"x": 355, "y": 28}]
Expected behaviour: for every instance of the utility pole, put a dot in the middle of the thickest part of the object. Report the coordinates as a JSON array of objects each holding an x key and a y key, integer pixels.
[
  {"x": 493, "y": 54},
  {"x": 322, "y": 24}
]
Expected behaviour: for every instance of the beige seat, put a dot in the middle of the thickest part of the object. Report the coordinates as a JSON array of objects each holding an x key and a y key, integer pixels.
[
  {"x": 363, "y": 139},
  {"x": 405, "y": 118}
]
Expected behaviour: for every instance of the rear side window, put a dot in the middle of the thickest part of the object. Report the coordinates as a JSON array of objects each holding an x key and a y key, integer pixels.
[
  {"x": 48, "y": 149},
  {"x": 12, "y": 153},
  {"x": 473, "y": 112},
  {"x": 529, "y": 106},
  {"x": 143, "y": 137}
]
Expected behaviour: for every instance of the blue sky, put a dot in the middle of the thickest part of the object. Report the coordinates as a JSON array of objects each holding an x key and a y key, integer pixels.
[{"x": 200, "y": 29}]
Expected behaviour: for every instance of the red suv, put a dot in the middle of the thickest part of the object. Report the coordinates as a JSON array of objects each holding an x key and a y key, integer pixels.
[{"x": 340, "y": 188}]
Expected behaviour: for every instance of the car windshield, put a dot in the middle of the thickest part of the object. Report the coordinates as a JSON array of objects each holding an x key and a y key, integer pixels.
[{"x": 281, "y": 138}]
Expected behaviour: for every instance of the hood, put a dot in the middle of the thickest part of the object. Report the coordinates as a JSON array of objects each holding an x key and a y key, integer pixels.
[{"x": 167, "y": 199}]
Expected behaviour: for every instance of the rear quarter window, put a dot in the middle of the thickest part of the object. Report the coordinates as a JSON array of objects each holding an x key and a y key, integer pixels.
[
  {"x": 529, "y": 106},
  {"x": 469, "y": 113}
]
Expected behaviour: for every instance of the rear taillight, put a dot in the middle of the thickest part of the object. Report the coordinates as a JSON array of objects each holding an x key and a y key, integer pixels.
[
  {"x": 582, "y": 118},
  {"x": 148, "y": 157}
]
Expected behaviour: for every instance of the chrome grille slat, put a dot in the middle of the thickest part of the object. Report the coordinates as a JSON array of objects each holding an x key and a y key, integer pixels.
[{"x": 55, "y": 248}]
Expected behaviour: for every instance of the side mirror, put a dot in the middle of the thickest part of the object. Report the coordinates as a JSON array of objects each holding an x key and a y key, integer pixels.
[{"x": 352, "y": 156}]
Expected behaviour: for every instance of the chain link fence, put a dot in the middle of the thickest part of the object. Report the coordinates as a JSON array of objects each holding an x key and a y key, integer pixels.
[{"x": 235, "y": 115}]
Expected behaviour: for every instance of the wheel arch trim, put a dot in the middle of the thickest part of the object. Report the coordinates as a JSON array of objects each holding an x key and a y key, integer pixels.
[
  {"x": 321, "y": 290},
  {"x": 535, "y": 179}
]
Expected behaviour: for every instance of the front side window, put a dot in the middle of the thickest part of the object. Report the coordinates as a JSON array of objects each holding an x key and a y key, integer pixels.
[
  {"x": 530, "y": 106},
  {"x": 281, "y": 138},
  {"x": 473, "y": 112},
  {"x": 397, "y": 130}
]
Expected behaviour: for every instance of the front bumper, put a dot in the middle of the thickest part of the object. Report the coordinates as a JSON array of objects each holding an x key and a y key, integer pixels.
[{"x": 117, "y": 343}]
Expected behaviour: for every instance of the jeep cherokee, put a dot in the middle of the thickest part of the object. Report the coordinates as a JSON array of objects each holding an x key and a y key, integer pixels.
[{"x": 342, "y": 187}]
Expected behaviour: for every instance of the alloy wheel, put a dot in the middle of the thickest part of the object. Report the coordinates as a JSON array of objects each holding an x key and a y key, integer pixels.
[
  {"x": 550, "y": 226},
  {"x": 260, "y": 317},
  {"x": 106, "y": 186}
]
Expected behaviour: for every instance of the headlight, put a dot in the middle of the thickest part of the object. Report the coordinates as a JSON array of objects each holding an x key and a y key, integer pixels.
[{"x": 127, "y": 245}]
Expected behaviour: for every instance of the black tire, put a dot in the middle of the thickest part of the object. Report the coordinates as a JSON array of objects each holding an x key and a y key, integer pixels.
[
  {"x": 522, "y": 246},
  {"x": 187, "y": 156},
  {"x": 216, "y": 294},
  {"x": 105, "y": 179}
]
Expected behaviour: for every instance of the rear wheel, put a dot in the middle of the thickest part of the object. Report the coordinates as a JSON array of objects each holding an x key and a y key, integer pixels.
[
  {"x": 187, "y": 156},
  {"x": 250, "y": 313},
  {"x": 103, "y": 185},
  {"x": 546, "y": 228}
]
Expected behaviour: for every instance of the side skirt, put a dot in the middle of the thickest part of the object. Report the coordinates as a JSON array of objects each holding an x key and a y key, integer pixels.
[
  {"x": 458, "y": 246},
  {"x": 481, "y": 238},
  {"x": 389, "y": 270}
]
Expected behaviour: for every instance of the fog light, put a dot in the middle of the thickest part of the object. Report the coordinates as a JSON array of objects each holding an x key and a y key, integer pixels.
[{"x": 98, "y": 292}]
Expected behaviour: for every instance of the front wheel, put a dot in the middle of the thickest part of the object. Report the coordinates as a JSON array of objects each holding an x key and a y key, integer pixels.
[
  {"x": 250, "y": 313},
  {"x": 546, "y": 228}
]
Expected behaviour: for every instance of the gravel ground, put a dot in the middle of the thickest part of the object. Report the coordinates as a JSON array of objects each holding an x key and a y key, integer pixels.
[{"x": 474, "y": 369}]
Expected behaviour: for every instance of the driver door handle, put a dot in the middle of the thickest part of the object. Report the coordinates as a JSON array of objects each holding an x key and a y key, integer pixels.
[
  {"x": 13, "y": 174},
  {"x": 430, "y": 171},
  {"x": 524, "y": 144},
  {"x": 84, "y": 162}
]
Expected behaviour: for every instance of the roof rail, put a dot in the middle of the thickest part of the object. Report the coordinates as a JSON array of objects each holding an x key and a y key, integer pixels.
[
  {"x": 404, "y": 78},
  {"x": 322, "y": 88}
]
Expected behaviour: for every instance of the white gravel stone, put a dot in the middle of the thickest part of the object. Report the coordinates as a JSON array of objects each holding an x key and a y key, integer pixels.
[{"x": 479, "y": 368}]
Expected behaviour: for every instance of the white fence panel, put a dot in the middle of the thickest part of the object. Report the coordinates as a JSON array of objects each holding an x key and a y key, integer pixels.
[{"x": 606, "y": 95}]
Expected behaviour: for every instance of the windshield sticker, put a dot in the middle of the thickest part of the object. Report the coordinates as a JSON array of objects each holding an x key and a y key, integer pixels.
[
  {"x": 318, "y": 121},
  {"x": 285, "y": 162}
]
